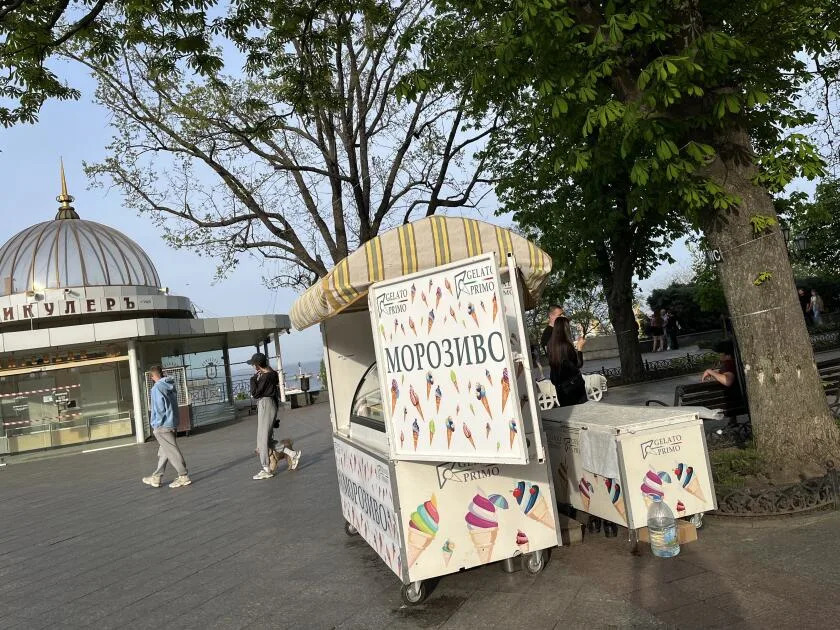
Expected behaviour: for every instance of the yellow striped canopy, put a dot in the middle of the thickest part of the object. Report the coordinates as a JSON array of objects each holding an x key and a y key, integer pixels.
[{"x": 413, "y": 247}]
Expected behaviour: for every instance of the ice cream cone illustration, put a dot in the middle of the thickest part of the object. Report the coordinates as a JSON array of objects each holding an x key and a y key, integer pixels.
[
  {"x": 448, "y": 547},
  {"x": 431, "y": 431},
  {"x": 382, "y": 330},
  {"x": 680, "y": 509},
  {"x": 411, "y": 325},
  {"x": 438, "y": 296},
  {"x": 481, "y": 394},
  {"x": 422, "y": 528},
  {"x": 405, "y": 414},
  {"x": 454, "y": 378},
  {"x": 585, "y": 488},
  {"x": 505, "y": 387},
  {"x": 447, "y": 285},
  {"x": 415, "y": 401},
  {"x": 396, "y": 325},
  {"x": 614, "y": 491},
  {"x": 483, "y": 308},
  {"x": 415, "y": 433},
  {"x": 430, "y": 381},
  {"x": 413, "y": 293},
  {"x": 450, "y": 429},
  {"x": 402, "y": 439},
  {"x": 468, "y": 434},
  {"x": 483, "y": 525},
  {"x": 438, "y": 396},
  {"x": 402, "y": 328},
  {"x": 431, "y": 321},
  {"x": 423, "y": 297},
  {"x": 522, "y": 541},
  {"x": 535, "y": 506},
  {"x": 452, "y": 314},
  {"x": 487, "y": 430},
  {"x": 395, "y": 393},
  {"x": 690, "y": 482},
  {"x": 495, "y": 307},
  {"x": 512, "y": 431},
  {"x": 471, "y": 312},
  {"x": 489, "y": 377},
  {"x": 652, "y": 487}
]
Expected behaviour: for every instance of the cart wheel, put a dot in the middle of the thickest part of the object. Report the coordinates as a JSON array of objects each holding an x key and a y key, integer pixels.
[
  {"x": 350, "y": 530},
  {"x": 697, "y": 520},
  {"x": 535, "y": 562},
  {"x": 414, "y": 593}
]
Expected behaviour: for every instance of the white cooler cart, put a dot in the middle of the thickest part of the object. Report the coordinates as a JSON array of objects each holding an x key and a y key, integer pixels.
[
  {"x": 441, "y": 464},
  {"x": 610, "y": 461}
]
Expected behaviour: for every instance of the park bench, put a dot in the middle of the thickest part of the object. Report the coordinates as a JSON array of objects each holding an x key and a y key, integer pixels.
[{"x": 731, "y": 404}]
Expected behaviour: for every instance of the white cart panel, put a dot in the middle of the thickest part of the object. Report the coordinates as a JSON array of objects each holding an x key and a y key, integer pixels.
[
  {"x": 466, "y": 515},
  {"x": 445, "y": 366},
  {"x": 670, "y": 462},
  {"x": 367, "y": 501}
]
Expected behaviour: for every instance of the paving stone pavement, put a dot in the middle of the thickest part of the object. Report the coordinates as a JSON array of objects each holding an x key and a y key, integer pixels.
[{"x": 84, "y": 544}]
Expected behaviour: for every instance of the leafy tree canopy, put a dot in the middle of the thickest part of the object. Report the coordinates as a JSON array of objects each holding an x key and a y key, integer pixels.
[{"x": 33, "y": 31}]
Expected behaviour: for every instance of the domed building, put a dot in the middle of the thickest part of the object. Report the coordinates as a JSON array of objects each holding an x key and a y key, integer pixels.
[{"x": 83, "y": 314}]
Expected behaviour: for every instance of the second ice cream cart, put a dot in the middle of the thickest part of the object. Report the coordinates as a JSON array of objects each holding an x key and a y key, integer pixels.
[
  {"x": 610, "y": 461},
  {"x": 438, "y": 446}
]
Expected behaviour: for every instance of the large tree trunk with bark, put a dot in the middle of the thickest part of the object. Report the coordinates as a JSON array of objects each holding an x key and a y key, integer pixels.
[
  {"x": 794, "y": 430},
  {"x": 617, "y": 279}
]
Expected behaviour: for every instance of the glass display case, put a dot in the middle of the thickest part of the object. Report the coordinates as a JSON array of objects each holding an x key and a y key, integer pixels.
[{"x": 367, "y": 402}]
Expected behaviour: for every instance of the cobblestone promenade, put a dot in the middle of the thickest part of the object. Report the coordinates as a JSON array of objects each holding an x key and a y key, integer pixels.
[{"x": 84, "y": 544}]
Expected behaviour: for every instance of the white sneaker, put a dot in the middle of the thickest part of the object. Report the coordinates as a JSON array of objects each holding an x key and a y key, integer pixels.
[
  {"x": 153, "y": 481},
  {"x": 180, "y": 482},
  {"x": 263, "y": 474},
  {"x": 294, "y": 460}
]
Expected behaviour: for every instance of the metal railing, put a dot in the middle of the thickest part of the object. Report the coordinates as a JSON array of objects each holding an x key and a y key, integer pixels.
[{"x": 50, "y": 432}]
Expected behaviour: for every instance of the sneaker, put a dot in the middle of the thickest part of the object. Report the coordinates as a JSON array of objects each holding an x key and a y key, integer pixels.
[
  {"x": 180, "y": 482},
  {"x": 153, "y": 481},
  {"x": 294, "y": 460},
  {"x": 263, "y": 474}
]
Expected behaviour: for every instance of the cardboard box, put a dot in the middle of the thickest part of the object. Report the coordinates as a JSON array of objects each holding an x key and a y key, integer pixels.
[{"x": 686, "y": 533}]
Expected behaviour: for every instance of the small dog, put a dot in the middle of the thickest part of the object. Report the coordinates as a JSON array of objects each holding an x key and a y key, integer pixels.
[{"x": 275, "y": 456}]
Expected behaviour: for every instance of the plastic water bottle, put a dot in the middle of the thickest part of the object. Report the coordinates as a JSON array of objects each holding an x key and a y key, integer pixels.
[{"x": 662, "y": 528}]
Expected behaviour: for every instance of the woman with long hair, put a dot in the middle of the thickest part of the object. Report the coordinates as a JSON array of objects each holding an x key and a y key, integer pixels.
[{"x": 565, "y": 362}]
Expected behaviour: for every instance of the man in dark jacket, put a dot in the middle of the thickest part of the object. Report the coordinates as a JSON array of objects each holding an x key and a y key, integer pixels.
[
  {"x": 554, "y": 311},
  {"x": 164, "y": 423}
]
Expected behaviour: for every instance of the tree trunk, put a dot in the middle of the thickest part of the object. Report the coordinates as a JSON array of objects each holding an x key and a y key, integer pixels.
[
  {"x": 618, "y": 289},
  {"x": 793, "y": 427}
]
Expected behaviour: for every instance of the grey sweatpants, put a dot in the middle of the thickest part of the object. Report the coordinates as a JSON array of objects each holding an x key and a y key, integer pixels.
[
  {"x": 168, "y": 451},
  {"x": 266, "y": 412}
]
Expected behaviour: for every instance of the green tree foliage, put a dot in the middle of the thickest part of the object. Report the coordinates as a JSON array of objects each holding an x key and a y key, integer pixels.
[
  {"x": 699, "y": 101},
  {"x": 34, "y": 31},
  {"x": 819, "y": 222},
  {"x": 685, "y": 301}
]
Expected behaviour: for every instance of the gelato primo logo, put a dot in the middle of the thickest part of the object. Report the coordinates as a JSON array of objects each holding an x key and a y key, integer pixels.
[
  {"x": 463, "y": 473},
  {"x": 662, "y": 446},
  {"x": 475, "y": 281},
  {"x": 392, "y": 302}
]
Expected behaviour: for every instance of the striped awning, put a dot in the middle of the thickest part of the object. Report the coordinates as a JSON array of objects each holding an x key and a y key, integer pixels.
[{"x": 413, "y": 247}]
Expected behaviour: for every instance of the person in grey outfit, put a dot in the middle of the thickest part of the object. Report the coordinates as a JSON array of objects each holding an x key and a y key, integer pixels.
[
  {"x": 164, "y": 424},
  {"x": 265, "y": 389}
]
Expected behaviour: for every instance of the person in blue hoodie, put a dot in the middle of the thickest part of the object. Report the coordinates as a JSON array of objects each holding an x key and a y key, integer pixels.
[{"x": 164, "y": 421}]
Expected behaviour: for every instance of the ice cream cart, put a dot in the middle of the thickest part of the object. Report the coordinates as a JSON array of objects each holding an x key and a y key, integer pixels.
[
  {"x": 438, "y": 446},
  {"x": 610, "y": 461}
]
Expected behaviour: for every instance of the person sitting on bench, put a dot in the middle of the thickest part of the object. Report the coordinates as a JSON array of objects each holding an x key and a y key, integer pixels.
[{"x": 726, "y": 373}]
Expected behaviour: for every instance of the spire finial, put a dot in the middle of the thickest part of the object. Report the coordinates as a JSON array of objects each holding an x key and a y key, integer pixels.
[{"x": 65, "y": 210}]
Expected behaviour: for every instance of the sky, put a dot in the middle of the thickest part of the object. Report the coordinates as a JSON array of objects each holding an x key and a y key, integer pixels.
[{"x": 78, "y": 131}]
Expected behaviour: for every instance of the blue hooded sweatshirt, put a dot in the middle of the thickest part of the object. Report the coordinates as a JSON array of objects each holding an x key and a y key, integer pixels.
[{"x": 164, "y": 404}]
